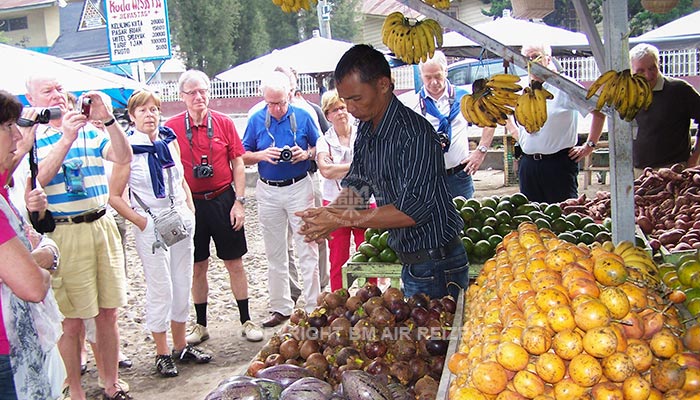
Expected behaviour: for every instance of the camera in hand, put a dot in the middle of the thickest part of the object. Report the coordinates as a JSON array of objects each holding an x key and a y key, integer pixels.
[
  {"x": 286, "y": 154},
  {"x": 204, "y": 169},
  {"x": 85, "y": 106},
  {"x": 44, "y": 116}
]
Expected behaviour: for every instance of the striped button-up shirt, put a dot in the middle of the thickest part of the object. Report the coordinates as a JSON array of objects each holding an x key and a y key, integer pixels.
[{"x": 402, "y": 163}]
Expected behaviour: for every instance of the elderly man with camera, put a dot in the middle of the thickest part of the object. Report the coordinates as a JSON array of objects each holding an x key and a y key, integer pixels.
[
  {"x": 90, "y": 281},
  {"x": 211, "y": 155},
  {"x": 281, "y": 138}
]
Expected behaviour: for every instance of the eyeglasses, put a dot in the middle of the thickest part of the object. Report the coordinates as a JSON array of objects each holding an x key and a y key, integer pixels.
[
  {"x": 277, "y": 103},
  {"x": 201, "y": 92}
]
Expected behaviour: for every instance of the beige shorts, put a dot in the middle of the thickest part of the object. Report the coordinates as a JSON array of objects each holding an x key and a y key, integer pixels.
[{"x": 91, "y": 273}]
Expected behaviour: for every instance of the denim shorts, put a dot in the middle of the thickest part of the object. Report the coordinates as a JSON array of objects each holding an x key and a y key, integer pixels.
[
  {"x": 437, "y": 278},
  {"x": 461, "y": 184},
  {"x": 7, "y": 382}
]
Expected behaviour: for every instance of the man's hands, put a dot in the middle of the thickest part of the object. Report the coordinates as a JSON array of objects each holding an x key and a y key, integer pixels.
[
  {"x": 319, "y": 223},
  {"x": 237, "y": 216},
  {"x": 272, "y": 155},
  {"x": 578, "y": 153},
  {"x": 474, "y": 161}
]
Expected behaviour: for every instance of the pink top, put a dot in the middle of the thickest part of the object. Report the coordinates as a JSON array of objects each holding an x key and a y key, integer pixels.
[{"x": 6, "y": 233}]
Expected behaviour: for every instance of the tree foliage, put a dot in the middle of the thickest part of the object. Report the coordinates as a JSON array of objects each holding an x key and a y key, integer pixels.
[
  {"x": 214, "y": 36},
  {"x": 641, "y": 20}
]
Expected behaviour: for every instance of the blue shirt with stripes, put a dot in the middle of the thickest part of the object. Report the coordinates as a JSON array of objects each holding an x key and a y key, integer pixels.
[
  {"x": 259, "y": 137},
  {"x": 88, "y": 149},
  {"x": 402, "y": 163}
]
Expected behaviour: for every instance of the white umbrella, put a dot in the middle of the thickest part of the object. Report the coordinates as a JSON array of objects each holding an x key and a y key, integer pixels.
[
  {"x": 514, "y": 33},
  {"x": 22, "y": 64},
  {"x": 312, "y": 56}
]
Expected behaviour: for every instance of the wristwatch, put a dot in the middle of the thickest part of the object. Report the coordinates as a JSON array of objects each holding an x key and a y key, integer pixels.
[
  {"x": 483, "y": 149},
  {"x": 590, "y": 143},
  {"x": 241, "y": 199}
]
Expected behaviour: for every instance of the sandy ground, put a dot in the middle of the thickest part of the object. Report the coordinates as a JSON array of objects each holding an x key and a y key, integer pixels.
[{"x": 232, "y": 353}]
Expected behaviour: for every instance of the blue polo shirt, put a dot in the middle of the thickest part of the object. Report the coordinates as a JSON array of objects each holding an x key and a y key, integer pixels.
[
  {"x": 258, "y": 137},
  {"x": 402, "y": 163}
]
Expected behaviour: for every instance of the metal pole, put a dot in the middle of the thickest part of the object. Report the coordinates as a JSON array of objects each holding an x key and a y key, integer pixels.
[{"x": 324, "y": 18}]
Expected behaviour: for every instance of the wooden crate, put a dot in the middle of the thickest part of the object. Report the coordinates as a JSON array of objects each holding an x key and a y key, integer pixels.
[
  {"x": 356, "y": 271},
  {"x": 455, "y": 338}
]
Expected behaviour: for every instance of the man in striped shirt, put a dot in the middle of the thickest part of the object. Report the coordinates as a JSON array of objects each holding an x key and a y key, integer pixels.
[
  {"x": 90, "y": 281},
  {"x": 398, "y": 159}
]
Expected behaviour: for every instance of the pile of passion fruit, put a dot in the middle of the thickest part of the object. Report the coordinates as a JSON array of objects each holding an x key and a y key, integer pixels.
[{"x": 548, "y": 319}]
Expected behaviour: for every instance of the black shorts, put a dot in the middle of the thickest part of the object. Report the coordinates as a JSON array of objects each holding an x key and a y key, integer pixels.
[{"x": 213, "y": 221}]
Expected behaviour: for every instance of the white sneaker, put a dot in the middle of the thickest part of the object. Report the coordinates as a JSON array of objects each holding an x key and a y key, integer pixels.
[
  {"x": 252, "y": 332},
  {"x": 198, "y": 335}
]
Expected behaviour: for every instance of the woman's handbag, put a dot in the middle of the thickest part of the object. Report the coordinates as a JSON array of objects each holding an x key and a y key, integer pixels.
[{"x": 168, "y": 224}]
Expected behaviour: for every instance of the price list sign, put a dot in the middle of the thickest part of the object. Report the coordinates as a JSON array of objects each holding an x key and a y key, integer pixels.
[{"x": 137, "y": 30}]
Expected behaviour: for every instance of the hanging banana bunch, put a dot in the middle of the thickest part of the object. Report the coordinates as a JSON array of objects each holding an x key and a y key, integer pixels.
[
  {"x": 440, "y": 4},
  {"x": 412, "y": 43},
  {"x": 531, "y": 109},
  {"x": 295, "y": 5},
  {"x": 492, "y": 100},
  {"x": 626, "y": 92}
]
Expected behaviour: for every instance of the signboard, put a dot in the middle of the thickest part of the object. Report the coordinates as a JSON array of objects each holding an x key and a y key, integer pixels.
[{"x": 137, "y": 30}]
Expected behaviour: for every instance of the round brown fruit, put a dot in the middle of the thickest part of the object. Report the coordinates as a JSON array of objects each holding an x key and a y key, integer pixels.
[
  {"x": 585, "y": 370},
  {"x": 617, "y": 367},
  {"x": 600, "y": 342},
  {"x": 550, "y": 367}
]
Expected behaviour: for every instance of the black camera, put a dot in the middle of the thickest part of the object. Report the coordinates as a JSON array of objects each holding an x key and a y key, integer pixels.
[
  {"x": 444, "y": 139},
  {"x": 85, "y": 106},
  {"x": 286, "y": 154},
  {"x": 204, "y": 169},
  {"x": 44, "y": 116}
]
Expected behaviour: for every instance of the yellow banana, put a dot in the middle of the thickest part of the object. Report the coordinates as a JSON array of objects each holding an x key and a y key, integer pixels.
[
  {"x": 648, "y": 94},
  {"x": 486, "y": 119},
  {"x": 524, "y": 111},
  {"x": 466, "y": 106},
  {"x": 277, "y": 2},
  {"x": 493, "y": 110},
  {"x": 504, "y": 97},
  {"x": 509, "y": 78},
  {"x": 622, "y": 246},
  {"x": 632, "y": 99},
  {"x": 621, "y": 97},
  {"x": 602, "y": 80},
  {"x": 540, "y": 106},
  {"x": 608, "y": 246},
  {"x": 393, "y": 20},
  {"x": 607, "y": 95},
  {"x": 426, "y": 38},
  {"x": 436, "y": 30},
  {"x": 503, "y": 85}
]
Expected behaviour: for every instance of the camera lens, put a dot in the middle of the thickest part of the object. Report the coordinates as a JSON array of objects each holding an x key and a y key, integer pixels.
[{"x": 286, "y": 154}]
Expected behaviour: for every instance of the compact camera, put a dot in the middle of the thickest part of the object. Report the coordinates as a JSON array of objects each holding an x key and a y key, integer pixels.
[
  {"x": 444, "y": 139},
  {"x": 286, "y": 154},
  {"x": 85, "y": 106},
  {"x": 44, "y": 116},
  {"x": 204, "y": 169}
]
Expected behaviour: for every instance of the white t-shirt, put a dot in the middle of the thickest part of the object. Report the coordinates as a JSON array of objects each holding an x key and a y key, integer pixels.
[
  {"x": 329, "y": 143},
  {"x": 560, "y": 130}
]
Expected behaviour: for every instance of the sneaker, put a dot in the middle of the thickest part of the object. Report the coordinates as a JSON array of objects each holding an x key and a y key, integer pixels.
[
  {"x": 199, "y": 334},
  {"x": 191, "y": 353},
  {"x": 166, "y": 366},
  {"x": 252, "y": 332},
  {"x": 122, "y": 384}
]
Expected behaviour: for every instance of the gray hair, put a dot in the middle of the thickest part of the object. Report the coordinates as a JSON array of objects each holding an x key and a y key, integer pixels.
[
  {"x": 536, "y": 47},
  {"x": 276, "y": 81},
  {"x": 437, "y": 59},
  {"x": 644, "y": 49},
  {"x": 193, "y": 75}
]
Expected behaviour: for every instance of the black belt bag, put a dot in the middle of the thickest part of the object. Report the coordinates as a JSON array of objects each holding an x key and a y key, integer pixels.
[
  {"x": 538, "y": 156},
  {"x": 421, "y": 256}
]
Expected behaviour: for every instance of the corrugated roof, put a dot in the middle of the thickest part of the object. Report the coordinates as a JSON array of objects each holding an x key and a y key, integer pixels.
[
  {"x": 10, "y": 4},
  {"x": 386, "y": 7},
  {"x": 74, "y": 45}
]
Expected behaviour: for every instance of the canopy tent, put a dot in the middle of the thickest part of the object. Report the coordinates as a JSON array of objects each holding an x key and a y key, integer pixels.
[
  {"x": 681, "y": 33},
  {"x": 75, "y": 77},
  {"x": 514, "y": 33},
  {"x": 313, "y": 56}
]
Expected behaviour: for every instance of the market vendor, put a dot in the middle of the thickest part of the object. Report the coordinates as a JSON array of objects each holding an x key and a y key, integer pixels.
[
  {"x": 398, "y": 159},
  {"x": 662, "y": 134}
]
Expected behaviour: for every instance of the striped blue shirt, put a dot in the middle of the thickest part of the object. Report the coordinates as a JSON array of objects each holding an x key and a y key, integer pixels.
[
  {"x": 88, "y": 150},
  {"x": 402, "y": 163}
]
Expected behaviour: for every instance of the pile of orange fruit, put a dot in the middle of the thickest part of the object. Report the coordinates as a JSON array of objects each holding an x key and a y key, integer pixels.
[{"x": 548, "y": 319}]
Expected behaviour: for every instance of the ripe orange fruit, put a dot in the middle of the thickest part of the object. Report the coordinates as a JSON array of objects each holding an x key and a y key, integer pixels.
[
  {"x": 585, "y": 370},
  {"x": 567, "y": 344},
  {"x": 550, "y": 367},
  {"x": 667, "y": 375},
  {"x": 567, "y": 389},
  {"x": 510, "y": 395},
  {"x": 489, "y": 377},
  {"x": 582, "y": 286},
  {"x": 691, "y": 338},
  {"x": 561, "y": 318},
  {"x": 528, "y": 384},
  {"x": 466, "y": 393},
  {"x": 618, "y": 367},
  {"x": 591, "y": 314},
  {"x": 536, "y": 340},
  {"x": 635, "y": 387},
  {"x": 636, "y": 295},
  {"x": 610, "y": 271},
  {"x": 616, "y": 300},
  {"x": 546, "y": 299},
  {"x": 600, "y": 342},
  {"x": 640, "y": 354},
  {"x": 692, "y": 379},
  {"x": 558, "y": 257},
  {"x": 665, "y": 344},
  {"x": 606, "y": 391},
  {"x": 458, "y": 363},
  {"x": 512, "y": 356}
]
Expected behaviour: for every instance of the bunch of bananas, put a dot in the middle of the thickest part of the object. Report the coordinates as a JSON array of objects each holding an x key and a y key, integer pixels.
[
  {"x": 640, "y": 266},
  {"x": 492, "y": 101},
  {"x": 441, "y": 4},
  {"x": 294, "y": 5},
  {"x": 531, "y": 109},
  {"x": 626, "y": 92},
  {"x": 411, "y": 43}
]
